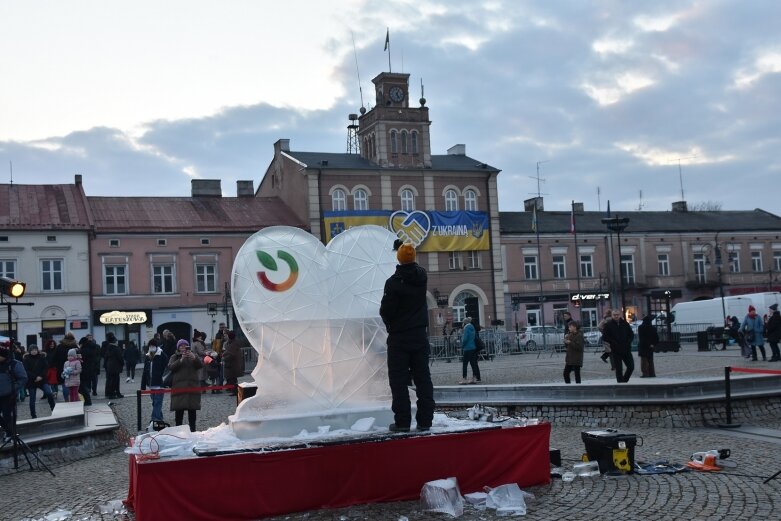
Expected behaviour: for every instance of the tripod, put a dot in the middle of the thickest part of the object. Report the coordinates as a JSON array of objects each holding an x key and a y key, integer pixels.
[{"x": 18, "y": 443}]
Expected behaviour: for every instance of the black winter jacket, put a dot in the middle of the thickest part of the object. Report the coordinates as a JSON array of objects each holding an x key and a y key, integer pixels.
[
  {"x": 774, "y": 327},
  {"x": 154, "y": 367},
  {"x": 35, "y": 366},
  {"x": 403, "y": 307},
  {"x": 619, "y": 335}
]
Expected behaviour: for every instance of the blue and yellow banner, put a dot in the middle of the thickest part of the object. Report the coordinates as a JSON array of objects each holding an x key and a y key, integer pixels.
[{"x": 428, "y": 231}]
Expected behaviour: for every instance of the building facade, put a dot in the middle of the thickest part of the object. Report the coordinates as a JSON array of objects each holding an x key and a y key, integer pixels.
[{"x": 445, "y": 204}]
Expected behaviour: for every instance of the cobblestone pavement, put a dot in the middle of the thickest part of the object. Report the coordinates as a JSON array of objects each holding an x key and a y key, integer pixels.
[{"x": 734, "y": 493}]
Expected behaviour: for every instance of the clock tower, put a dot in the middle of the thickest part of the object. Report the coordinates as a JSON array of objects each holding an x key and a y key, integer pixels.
[{"x": 393, "y": 134}]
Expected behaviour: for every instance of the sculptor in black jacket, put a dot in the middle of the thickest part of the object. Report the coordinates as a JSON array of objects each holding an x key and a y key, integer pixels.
[
  {"x": 620, "y": 335},
  {"x": 405, "y": 314}
]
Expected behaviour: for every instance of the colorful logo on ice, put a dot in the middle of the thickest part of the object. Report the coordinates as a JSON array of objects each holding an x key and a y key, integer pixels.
[{"x": 270, "y": 264}]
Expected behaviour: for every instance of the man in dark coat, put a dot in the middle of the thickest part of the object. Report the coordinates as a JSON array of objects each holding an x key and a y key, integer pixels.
[
  {"x": 405, "y": 314},
  {"x": 12, "y": 377},
  {"x": 114, "y": 364},
  {"x": 169, "y": 343},
  {"x": 35, "y": 365},
  {"x": 90, "y": 365},
  {"x": 774, "y": 332},
  {"x": 647, "y": 338},
  {"x": 620, "y": 335}
]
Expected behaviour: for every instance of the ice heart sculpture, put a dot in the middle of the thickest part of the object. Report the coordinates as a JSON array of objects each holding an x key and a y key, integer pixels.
[{"x": 312, "y": 314}]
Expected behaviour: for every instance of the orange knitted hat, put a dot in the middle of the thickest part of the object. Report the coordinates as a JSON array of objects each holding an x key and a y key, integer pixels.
[{"x": 406, "y": 253}]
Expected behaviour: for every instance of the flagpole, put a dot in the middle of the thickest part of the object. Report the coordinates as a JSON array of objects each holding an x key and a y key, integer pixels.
[
  {"x": 574, "y": 231},
  {"x": 536, "y": 224}
]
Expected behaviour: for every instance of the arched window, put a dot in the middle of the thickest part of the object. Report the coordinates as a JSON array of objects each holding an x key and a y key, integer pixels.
[
  {"x": 394, "y": 144},
  {"x": 407, "y": 200},
  {"x": 470, "y": 201},
  {"x": 414, "y": 139},
  {"x": 459, "y": 306},
  {"x": 338, "y": 200},
  {"x": 451, "y": 201},
  {"x": 374, "y": 147},
  {"x": 360, "y": 200},
  {"x": 403, "y": 141},
  {"x": 365, "y": 148}
]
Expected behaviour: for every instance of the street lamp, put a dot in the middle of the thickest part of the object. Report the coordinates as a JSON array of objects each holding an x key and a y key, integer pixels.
[
  {"x": 718, "y": 261},
  {"x": 618, "y": 224}
]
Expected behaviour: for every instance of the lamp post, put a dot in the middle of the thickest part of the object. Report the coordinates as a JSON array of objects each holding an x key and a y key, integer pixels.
[
  {"x": 718, "y": 261},
  {"x": 618, "y": 224}
]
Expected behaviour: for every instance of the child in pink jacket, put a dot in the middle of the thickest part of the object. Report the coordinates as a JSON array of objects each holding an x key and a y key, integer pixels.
[{"x": 71, "y": 372}]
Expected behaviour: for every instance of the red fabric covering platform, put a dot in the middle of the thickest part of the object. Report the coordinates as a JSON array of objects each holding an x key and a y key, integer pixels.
[{"x": 256, "y": 485}]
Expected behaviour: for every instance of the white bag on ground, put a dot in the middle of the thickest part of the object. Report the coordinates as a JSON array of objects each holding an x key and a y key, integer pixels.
[
  {"x": 442, "y": 495},
  {"x": 507, "y": 500}
]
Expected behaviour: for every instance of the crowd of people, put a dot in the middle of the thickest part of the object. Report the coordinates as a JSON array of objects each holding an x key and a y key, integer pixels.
[{"x": 69, "y": 371}]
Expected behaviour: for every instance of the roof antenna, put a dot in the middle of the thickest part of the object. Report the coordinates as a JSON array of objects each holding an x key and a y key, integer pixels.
[
  {"x": 680, "y": 175},
  {"x": 422, "y": 94},
  {"x": 640, "y": 205},
  {"x": 538, "y": 178},
  {"x": 358, "y": 73},
  {"x": 599, "y": 200},
  {"x": 11, "y": 164}
]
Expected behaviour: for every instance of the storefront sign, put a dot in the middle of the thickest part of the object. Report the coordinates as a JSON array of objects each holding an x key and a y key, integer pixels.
[
  {"x": 579, "y": 297},
  {"x": 123, "y": 317}
]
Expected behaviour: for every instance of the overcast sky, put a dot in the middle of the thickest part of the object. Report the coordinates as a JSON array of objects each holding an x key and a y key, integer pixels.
[{"x": 142, "y": 96}]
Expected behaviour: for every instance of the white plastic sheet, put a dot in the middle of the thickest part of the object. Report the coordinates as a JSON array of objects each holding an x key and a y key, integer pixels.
[
  {"x": 442, "y": 495},
  {"x": 508, "y": 500}
]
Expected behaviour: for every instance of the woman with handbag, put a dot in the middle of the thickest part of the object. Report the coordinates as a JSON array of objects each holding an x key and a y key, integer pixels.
[{"x": 186, "y": 368}]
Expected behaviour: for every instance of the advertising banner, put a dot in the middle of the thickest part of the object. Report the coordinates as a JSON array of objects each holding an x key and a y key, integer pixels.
[{"x": 428, "y": 231}]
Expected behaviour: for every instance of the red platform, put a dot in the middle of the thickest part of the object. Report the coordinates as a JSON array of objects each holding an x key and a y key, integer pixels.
[{"x": 256, "y": 485}]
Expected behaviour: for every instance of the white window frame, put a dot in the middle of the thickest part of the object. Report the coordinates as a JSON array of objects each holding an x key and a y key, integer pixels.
[
  {"x": 51, "y": 274},
  {"x": 628, "y": 268},
  {"x": 8, "y": 268},
  {"x": 360, "y": 199},
  {"x": 663, "y": 264},
  {"x": 700, "y": 272},
  {"x": 454, "y": 260},
  {"x": 733, "y": 259},
  {"x": 530, "y": 267},
  {"x": 559, "y": 264},
  {"x": 451, "y": 200},
  {"x": 115, "y": 276},
  {"x": 407, "y": 200},
  {"x": 586, "y": 266},
  {"x": 777, "y": 261},
  {"x": 474, "y": 259},
  {"x": 338, "y": 200},
  {"x": 160, "y": 266},
  {"x": 470, "y": 200},
  {"x": 756, "y": 261},
  {"x": 202, "y": 276}
]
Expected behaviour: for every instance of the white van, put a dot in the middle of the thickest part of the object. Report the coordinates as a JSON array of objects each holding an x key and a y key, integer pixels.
[
  {"x": 710, "y": 312},
  {"x": 761, "y": 301}
]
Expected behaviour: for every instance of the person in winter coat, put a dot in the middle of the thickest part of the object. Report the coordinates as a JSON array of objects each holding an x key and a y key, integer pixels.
[
  {"x": 774, "y": 332},
  {"x": 114, "y": 362},
  {"x": 131, "y": 356},
  {"x": 71, "y": 375},
  {"x": 470, "y": 354},
  {"x": 60, "y": 357},
  {"x": 52, "y": 378},
  {"x": 753, "y": 328},
  {"x": 186, "y": 367},
  {"x": 606, "y": 354},
  {"x": 12, "y": 375},
  {"x": 198, "y": 348},
  {"x": 155, "y": 364},
  {"x": 90, "y": 362},
  {"x": 404, "y": 311},
  {"x": 620, "y": 335},
  {"x": 233, "y": 361},
  {"x": 573, "y": 360},
  {"x": 169, "y": 343},
  {"x": 36, "y": 366},
  {"x": 647, "y": 338}
]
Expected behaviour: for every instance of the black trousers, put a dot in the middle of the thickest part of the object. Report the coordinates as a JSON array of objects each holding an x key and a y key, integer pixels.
[
  {"x": 621, "y": 358},
  {"x": 570, "y": 368},
  {"x": 774, "y": 349},
  {"x": 7, "y": 412},
  {"x": 179, "y": 417},
  {"x": 112, "y": 385},
  {"x": 470, "y": 358},
  {"x": 403, "y": 362}
]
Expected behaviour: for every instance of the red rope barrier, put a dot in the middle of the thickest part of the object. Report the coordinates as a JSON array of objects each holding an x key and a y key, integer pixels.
[
  {"x": 755, "y": 371},
  {"x": 166, "y": 390}
]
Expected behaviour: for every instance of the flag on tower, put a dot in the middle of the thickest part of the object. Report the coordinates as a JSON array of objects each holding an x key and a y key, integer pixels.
[
  {"x": 572, "y": 219},
  {"x": 534, "y": 219},
  {"x": 387, "y": 39}
]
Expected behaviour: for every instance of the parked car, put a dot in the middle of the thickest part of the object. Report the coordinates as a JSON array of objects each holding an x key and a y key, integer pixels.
[{"x": 532, "y": 336}]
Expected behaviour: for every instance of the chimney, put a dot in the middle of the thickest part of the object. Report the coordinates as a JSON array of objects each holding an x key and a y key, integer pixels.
[
  {"x": 78, "y": 179},
  {"x": 457, "y": 150},
  {"x": 282, "y": 145},
  {"x": 680, "y": 206},
  {"x": 244, "y": 189},
  {"x": 578, "y": 207},
  {"x": 529, "y": 204},
  {"x": 206, "y": 188}
]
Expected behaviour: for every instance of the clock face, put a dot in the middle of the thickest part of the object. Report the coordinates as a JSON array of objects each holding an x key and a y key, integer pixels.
[{"x": 396, "y": 94}]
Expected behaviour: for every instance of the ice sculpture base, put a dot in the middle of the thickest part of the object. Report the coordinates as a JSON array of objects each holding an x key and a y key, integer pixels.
[{"x": 291, "y": 425}]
